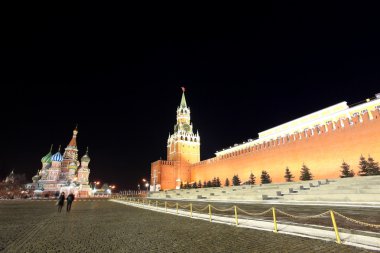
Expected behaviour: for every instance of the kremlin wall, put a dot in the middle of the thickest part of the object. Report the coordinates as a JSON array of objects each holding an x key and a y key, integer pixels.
[{"x": 321, "y": 140}]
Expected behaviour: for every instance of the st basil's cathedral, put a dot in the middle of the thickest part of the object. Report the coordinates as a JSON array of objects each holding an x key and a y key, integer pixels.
[{"x": 64, "y": 173}]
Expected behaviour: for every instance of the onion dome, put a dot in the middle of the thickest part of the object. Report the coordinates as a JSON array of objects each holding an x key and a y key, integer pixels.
[
  {"x": 47, "y": 157},
  {"x": 72, "y": 165},
  {"x": 57, "y": 157},
  {"x": 85, "y": 158}
]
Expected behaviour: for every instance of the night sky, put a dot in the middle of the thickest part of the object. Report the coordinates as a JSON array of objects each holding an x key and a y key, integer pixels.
[{"x": 117, "y": 72}]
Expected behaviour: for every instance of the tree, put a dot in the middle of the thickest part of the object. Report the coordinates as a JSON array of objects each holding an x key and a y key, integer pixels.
[
  {"x": 204, "y": 184},
  {"x": 346, "y": 172},
  {"x": 363, "y": 166},
  {"x": 236, "y": 180},
  {"x": 373, "y": 167},
  {"x": 209, "y": 184},
  {"x": 288, "y": 175},
  {"x": 305, "y": 173},
  {"x": 252, "y": 179},
  {"x": 218, "y": 183},
  {"x": 227, "y": 182},
  {"x": 194, "y": 185},
  {"x": 199, "y": 184},
  {"x": 265, "y": 178},
  {"x": 181, "y": 185},
  {"x": 213, "y": 183}
]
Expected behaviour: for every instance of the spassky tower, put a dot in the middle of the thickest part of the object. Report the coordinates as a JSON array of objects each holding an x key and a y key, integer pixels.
[
  {"x": 183, "y": 150},
  {"x": 183, "y": 145}
]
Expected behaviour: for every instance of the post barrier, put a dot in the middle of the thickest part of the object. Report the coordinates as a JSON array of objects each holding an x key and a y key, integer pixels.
[
  {"x": 274, "y": 219},
  {"x": 236, "y": 216},
  {"x": 149, "y": 203},
  {"x": 335, "y": 227},
  {"x": 209, "y": 211},
  {"x": 321, "y": 215}
]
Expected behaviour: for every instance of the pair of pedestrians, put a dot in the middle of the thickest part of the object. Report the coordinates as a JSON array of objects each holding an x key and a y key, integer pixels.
[{"x": 61, "y": 201}]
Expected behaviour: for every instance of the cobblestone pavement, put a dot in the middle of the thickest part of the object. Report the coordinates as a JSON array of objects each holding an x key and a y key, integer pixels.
[{"x": 103, "y": 226}]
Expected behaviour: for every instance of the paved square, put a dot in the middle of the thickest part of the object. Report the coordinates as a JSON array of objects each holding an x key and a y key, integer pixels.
[{"x": 103, "y": 226}]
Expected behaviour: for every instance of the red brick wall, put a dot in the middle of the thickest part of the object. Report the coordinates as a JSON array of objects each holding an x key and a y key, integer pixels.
[{"x": 322, "y": 153}]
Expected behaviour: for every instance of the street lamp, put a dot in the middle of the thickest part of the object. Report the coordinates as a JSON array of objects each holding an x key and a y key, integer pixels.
[
  {"x": 146, "y": 184},
  {"x": 95, "y": 184}
]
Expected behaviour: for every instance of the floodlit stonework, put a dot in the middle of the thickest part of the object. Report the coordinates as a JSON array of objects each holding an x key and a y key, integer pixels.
[
  {"x": 64, "y": 173},
  {"x": 321, "y": 140}
]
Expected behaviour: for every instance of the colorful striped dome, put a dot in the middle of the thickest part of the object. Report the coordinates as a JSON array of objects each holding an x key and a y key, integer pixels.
[
  {"x": 57, "y": 157},
  {"x": 47, "y": 157}
]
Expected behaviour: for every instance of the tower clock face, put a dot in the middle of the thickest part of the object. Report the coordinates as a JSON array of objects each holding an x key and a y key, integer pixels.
[{"x": 186, "y": 127}]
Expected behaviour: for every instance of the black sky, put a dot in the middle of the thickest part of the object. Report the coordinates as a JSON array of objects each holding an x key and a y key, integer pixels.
[{"x": 117, "y": 72}]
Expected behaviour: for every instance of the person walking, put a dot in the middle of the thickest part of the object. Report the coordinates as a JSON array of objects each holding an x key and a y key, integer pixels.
[
  {"x": 61, "y": 201},
  {"x": 70, "y": 199}
]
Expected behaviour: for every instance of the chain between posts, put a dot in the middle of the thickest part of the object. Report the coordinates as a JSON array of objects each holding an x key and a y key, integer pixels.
[
  {"x": 200, "y": 210},
  {"x": 254, "y": 214},
  {"x": 321, "y": 215},
  {"x": 236, "y": 208},
  {"x": 357, "y": 222},
  {"x": 223, "y": 210}
]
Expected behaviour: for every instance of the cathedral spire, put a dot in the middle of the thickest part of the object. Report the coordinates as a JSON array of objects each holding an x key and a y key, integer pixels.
[
  {"x": 183, "y": 99},
  {"x": 73, "y": 142}
]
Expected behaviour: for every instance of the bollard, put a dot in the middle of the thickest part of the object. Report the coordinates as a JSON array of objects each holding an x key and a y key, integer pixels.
[
  {"x": 156, "y": 204},
  {"x": 176, "y": 204},
  {"x": 166, "y": 209},
  {"x": 236, "y": 217},
  {"x": 191, "y": 209},
  {"x": 335, "y": 227},
  {"x": 149, "y": 203},
  {"x": 209, "y": 211},
  {"x": 274, "y": 219}
]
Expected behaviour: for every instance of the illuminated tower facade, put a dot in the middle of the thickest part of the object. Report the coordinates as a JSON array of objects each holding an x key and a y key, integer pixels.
[
  {"x": 70, "y": 157},
  {"x": 84, "y": 170},
  {"x": 183, "y": 150},
  {"x": 183, "y": 144}
]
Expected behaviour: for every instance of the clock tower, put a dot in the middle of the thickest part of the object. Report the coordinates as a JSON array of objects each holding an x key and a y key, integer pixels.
[{"x": 183, "y": 145}]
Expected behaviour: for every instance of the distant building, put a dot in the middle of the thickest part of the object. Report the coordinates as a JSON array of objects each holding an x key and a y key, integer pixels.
[
  {"x": 64, "y": 173},
  {"x": 10, "y": 178},
  {"x": 321, "y": 140}
]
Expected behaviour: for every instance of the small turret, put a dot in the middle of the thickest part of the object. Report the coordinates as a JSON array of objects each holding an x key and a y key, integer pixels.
[{"x": 85, "y": 158}]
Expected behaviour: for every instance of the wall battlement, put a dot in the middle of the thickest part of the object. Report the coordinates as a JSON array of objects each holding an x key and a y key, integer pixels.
[{"x": 340, "y": 125}]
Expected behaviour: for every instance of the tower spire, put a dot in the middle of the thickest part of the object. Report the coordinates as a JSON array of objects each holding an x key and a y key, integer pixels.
[
  {"x": 73, "y": 142},
  {"x": 183, "y": 99}
]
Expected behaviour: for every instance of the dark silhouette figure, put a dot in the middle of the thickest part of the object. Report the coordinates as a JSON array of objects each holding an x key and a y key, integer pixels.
[
  {"x": 61, "y": 201},
  {"x": 70, "y": 199}
]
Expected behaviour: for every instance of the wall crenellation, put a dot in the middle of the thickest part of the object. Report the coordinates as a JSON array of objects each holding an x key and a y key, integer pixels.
[{"x": 343, "y": 124}]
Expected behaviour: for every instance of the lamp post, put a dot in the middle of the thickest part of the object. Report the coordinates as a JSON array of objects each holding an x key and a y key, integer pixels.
[
  {"x": 146, "y": 184},
  {"x": 95, "y": 184}
]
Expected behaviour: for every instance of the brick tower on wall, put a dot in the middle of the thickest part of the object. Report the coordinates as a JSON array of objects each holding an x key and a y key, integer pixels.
[{"x": 183, "y": 149}]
